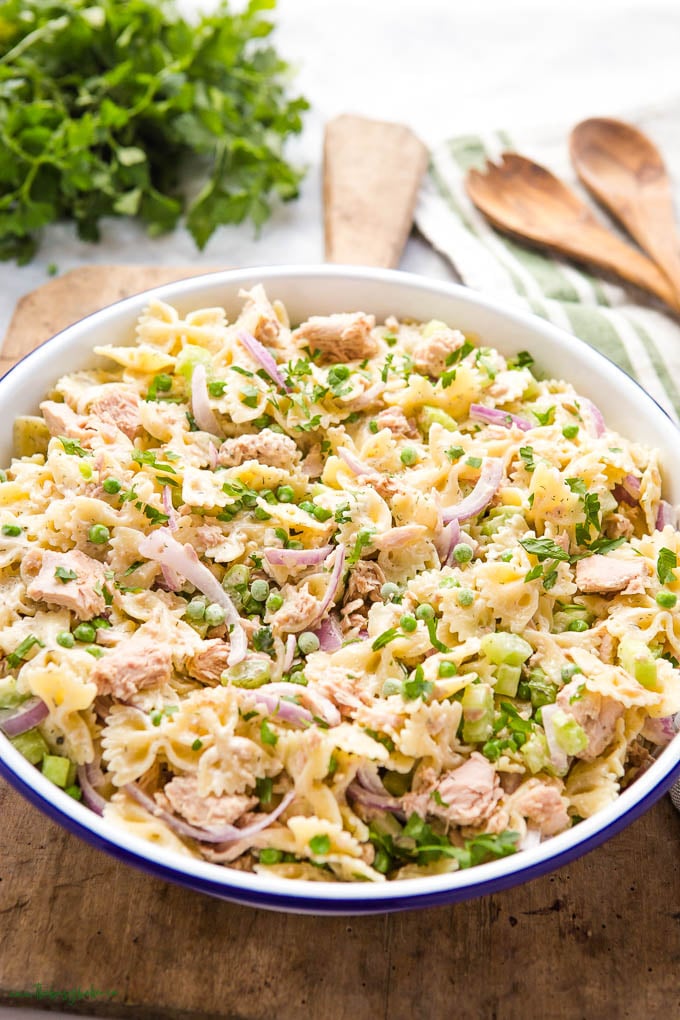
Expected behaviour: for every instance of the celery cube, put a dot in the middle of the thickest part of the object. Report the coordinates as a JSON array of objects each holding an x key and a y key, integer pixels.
[
  {"x": 32, "y": 745},
  {"x": 507, "y": 680},
  {"x": 636, "y": 659},
  {"x": 477, "y": 702},
  {"x": 434, "y": 415},
  {"x": 535, "y": 753},
  {"x": 506, "y": 649},
  {"x": 58, "y": 770},
  {"x": 570, "y": 736}
]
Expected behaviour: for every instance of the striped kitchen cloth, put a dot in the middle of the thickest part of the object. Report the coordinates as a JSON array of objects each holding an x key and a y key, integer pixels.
[{"x": 631, "y": 331}]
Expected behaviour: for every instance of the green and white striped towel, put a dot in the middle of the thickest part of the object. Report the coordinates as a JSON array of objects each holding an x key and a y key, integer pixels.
[{"x": 633, "y": 332}]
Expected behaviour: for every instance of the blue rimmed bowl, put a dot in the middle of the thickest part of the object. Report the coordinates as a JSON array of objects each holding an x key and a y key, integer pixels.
[{"x": 321, "y": 290}]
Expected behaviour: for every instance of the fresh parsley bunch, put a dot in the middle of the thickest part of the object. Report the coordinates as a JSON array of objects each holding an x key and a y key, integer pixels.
[{"x": 108, "y": 106}]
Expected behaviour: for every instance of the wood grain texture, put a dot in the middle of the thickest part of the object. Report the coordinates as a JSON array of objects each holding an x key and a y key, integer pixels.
[
  {"x": 597, "y": 939},
  {"x": 372, "y": 172},
  {"x": 526, "y": 200}
]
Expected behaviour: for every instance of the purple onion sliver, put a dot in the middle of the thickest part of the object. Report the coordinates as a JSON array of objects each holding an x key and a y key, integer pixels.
[
  {"x": 264, "y": 358},
  {"x": 666, "y": 516},
  {"x": 494, "y": 416},
  {"x": 200, "y": 402},
  {"x": 296, "y": 557},
  {"x": 597, "y": 421},
  {"x": 376, "y": 801},
  {"x": 289, "y": 654},
  {"x": 358, "y": 467},
  {"x": 482, "y": 494},
  {"x": 91, "y": 798},
  {"x": 16, "y": 721},
  {"x": 169, "y": 509},
  {"x": 621, "y": 495},
  {"x": 287, "y": 711},
  {"x": 329, "y": 634},
  {"x": 332, "y": 585}
]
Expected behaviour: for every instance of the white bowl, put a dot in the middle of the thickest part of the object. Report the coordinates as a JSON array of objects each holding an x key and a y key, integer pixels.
[{"x": 321, "y": 290}]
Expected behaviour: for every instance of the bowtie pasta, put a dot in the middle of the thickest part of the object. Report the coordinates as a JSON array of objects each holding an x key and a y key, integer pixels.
[{"x": 346, "y": 601}]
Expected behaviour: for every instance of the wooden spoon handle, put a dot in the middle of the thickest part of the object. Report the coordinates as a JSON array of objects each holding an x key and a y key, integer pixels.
[{"x": 625, "y": 172}]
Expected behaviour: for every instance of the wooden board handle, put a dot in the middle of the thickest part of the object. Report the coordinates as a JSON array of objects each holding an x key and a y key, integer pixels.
[{"x": 372, "y": 172}]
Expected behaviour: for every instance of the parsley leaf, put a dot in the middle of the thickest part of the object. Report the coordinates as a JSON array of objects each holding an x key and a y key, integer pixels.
[
  {"x": 665, "y": 565},
  {"x": 544, "y": 549},
  {"x": 103, "y": 104}
]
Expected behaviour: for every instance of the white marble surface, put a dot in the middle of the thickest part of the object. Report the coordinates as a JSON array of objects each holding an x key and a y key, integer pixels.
[{"x": 441, "y": 66}]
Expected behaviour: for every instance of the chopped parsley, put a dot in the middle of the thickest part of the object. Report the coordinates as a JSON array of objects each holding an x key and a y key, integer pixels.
[
  {"x": 73, "y": 447},
  {"x": 665, "y": 566},
  {"x": 65, "y": 574}
]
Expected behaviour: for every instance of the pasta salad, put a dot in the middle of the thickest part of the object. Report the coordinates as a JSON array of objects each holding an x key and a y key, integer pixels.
[{"x": 340, "y": 601}]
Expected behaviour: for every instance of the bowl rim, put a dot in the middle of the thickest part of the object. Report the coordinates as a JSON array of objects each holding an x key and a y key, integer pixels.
[{"x": 340, "y": 897}]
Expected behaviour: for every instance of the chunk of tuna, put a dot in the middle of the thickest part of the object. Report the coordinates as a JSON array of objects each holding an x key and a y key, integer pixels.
[
  {"x": 62, "y": 420},
  {"x": 183, "y": 797},
  {"x": 365, "y": 582},
  {"x": 604, "y": 574},
  {"x": 344, "y": 336},
  {"x": 597, "y": 715},
  {"x": 299, "y": 610},
  {"x": 132, "y": 666},
  {"x": 120, "y": 407},
  {"x": 259, "y": 318},
  {"x": 209, "y": 664},
  {"x": 394, "y": 419},
  {"x": 267, "y": 447},
  {"x": 544, "y": 806},
  {"x": 466, "y": 796},
  {"x": 48, "y": 578},
  {"x": 430, "y": 354}
]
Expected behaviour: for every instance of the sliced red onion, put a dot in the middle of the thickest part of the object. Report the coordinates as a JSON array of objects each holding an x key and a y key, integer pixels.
[
  {"x": 169, "y": 509},
  {"x": 660, "y": 731},
  {"x": 318, "y": 703},
  {"x": 264, "y": 358},
  {"x": 289, "y": 655},
  {"x": 358, "y": 794},
  {"x": 446, "y": 541},
  {"x": 358, "y": 467},
  {"x": 396, "y": 538},
  {"x": 212, "y": 456},
  {"x": 296, "y": 557},
  {"x": 598, "y": 426},
  {"x": 666, "y": 516},
  {"x": 15, "y": 721},
  {"x": 329, "y": 634},
  {"x": 558, "y": 757},
  {"x": 223, "y": 834},
  {"x": 200, "y": 402},
  {"x": 170, "y": 578},
  {"x": 162, "y": 547},
  {"x": 482, "y": 494},
  {"x": 287, "y": 711},
  {"x": 89, "y": 777},
  {"x": 332, "y": 588},
  {"x": 494, "y": 416},
  {"x": 370, "y": 780}
]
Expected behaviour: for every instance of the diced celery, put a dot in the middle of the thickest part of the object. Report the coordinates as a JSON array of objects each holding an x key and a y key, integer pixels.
[
  {"x": 497, "y": 518},
  {"x": 506, "y": 649},
  {"x": 535, "y": 753},
  {"x": 9, "y": 697},
  {"x": 637, "y": 659},
  {"x": 58, "y": 770},
  {"x": 191, "y": 356},
  {"x": 477, "y": 702},
  {"x": 431, "y": 327},
  {"x": 32, "y": 745},
  {"x": 250, "y": 673},
  {"x": 570, "y": 736},
  {"x": 430, "y": 415},
  {"x": 397, "y": 783},
  {"x": 507, "y": 680}
]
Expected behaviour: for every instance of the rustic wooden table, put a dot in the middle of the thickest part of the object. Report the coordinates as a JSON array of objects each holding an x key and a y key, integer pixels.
[{"x": 597, "y": 939}]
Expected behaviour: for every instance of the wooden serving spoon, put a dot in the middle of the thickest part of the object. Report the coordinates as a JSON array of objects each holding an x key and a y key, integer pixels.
[
  {"x": 626, "y": 173},
  {"x": 524, "y": 199}
]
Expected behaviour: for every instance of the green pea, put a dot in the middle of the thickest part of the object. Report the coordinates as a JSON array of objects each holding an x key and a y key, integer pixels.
[
  {"x": 3, "y": 476},
  {"x": 195, "y": 610},
  {"x": 465, "y": 597},
  {"x": 99, "y": 534},
  {"x": 85, "y": 632},
  {"x": 447, "y": 668},
  {"x": 308, "y": 642},
  {"x": 66, "y": 639},
  {"x": 11, "y": 530},
  {"x": 94, "y": 651},
  {"x": 570, "y": 431},
  {"x": 408, "y": 456},
  {"x": 236, "y": 575},
  {"x": 259, "y": 590},
  {"x": 373, "y": 427},
  {"x": 214, "y": 614},
  {"x": 261, "y": 515},
  {"x": 462, "y": 553},
  {"x": 274, "y": 602},
  {"x": 111, "y": 485},
  {"x": 425, "y": 612},
  {"x": 408, "y": 623},
  {"x": 578, "y": 625},
  {"x": 666, "y": 599},
  {"x": 389, "y": 590}
]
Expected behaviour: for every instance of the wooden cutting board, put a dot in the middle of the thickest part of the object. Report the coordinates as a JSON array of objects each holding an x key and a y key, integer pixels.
[{"x": 597, "y": 939}]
